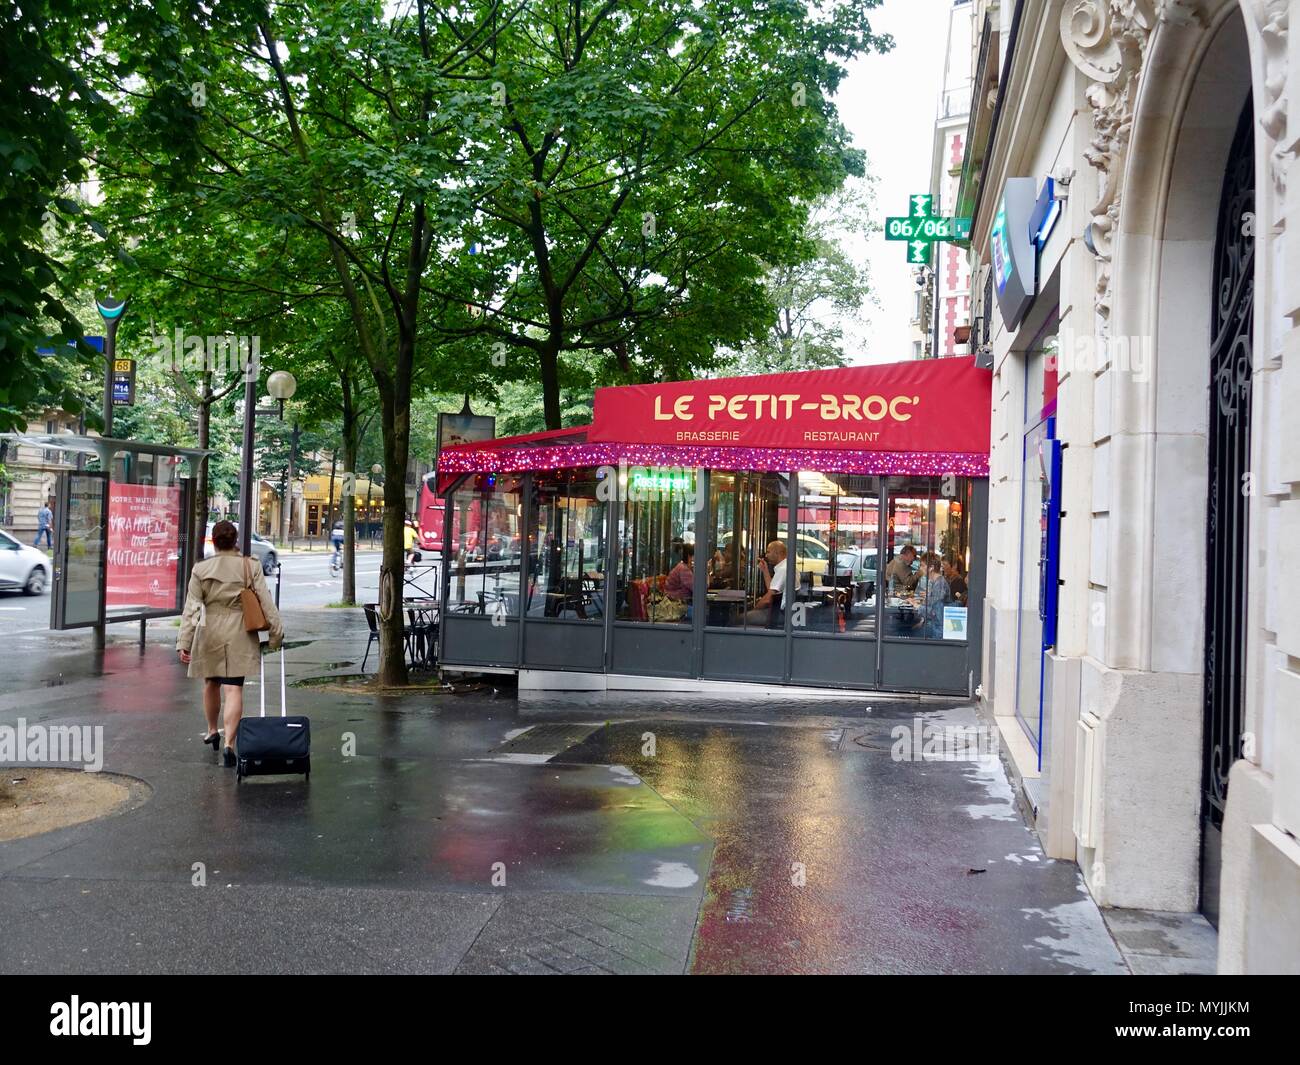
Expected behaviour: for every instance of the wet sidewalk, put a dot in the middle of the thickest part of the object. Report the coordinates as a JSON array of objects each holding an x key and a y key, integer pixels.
[{"x": 483, "y": 833}]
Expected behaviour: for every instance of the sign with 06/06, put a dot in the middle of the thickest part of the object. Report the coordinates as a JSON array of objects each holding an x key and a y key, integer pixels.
[{"x": 927, "y": 228}]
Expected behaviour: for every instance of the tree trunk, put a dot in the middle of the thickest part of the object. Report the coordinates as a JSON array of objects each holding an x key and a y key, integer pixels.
[
  {"x": 550, "y": 361},
  {"x": 397, "y": 442},
  {"x": 201, "y": 485},
  {"x": 286, "y": 508},
  {"x": 329, "y": 510},
  {"x": 349, "y": 517}
]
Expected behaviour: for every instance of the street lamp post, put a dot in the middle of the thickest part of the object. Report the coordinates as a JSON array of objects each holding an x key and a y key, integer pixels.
[
  {"x": 282, "y": 385},
  {"x": 375, "y": 471}
]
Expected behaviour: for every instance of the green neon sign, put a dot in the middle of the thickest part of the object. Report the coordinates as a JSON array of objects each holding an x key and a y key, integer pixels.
[
  {"x": 930, "y": 229},
  {"x": 922, "y": 228},
  {"x": 652, "y": 480}
]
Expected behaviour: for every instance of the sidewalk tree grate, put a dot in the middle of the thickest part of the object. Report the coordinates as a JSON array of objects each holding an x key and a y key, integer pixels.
[{"x": 547, "y": 739}]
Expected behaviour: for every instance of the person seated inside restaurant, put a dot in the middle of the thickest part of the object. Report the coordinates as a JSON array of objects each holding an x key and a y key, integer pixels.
[
  {"x": 766, "y": 612},
  {"x": 722, "y": 565},
  {"x": 936, "y": 595},
  {"x": 899, "y": 577},
  {"x": 954, "y": 573},
  {"x": 681, "y": 579}
]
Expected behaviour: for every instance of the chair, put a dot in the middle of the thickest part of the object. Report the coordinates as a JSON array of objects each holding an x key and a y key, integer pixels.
[
  {"x": 372, "y": 620},
  {"x": 419, "y": 638}
]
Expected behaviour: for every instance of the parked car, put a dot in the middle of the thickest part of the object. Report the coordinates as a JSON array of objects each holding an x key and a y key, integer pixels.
[
  {"x": 856, "y": 562},
  {"x": 261, "y": 549},
  {"x": 22, "y": 568}
]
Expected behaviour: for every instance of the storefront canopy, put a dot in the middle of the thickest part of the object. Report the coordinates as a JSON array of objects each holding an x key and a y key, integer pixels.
[{"x": 927, "y": 417}]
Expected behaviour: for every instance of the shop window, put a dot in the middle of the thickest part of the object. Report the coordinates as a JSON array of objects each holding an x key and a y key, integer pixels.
[
  {"x": 656, "y": 541},
  {"x": 927, "y": 558},
  {"x": 747, "y": 564},
  {"x": 566, "y": 547},
  {"x": 484, "y": 548},
  {"x": 837, "y": 544}
]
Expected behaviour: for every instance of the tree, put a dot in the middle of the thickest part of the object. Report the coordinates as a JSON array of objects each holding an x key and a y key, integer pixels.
[
  {"x": 653, "y": 159},
  {"x": 50, "y": 105},
  {"x": 346, "y": 123},
  {"x": 813, "y": 296}
]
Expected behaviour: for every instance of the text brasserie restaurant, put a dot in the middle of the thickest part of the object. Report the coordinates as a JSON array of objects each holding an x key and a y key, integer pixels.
[{"x": 819, "y": 529}]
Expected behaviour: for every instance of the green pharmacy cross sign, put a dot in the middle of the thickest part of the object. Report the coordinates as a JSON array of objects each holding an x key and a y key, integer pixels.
[{"x": 922, "y": 228}]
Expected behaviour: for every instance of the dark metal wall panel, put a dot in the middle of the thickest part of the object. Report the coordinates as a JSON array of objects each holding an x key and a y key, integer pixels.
[
  {"x": 471, "y": 640},
  {"x": 978, "y": 577},
  {"x": 653, "y": 650},
  {"x": 925, "y": 667},
  {"x": 558, "y": 645},
  {"x": 744, "y": 656},
  {"x": 834, "y": 662}
]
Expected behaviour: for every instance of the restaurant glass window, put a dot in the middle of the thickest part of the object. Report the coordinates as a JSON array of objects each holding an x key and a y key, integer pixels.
[
  {"x": 484, "y": 547},
  {"x": 837, "y": 544},
  {"x": 747, "y": 568},
  {"x": 656, "y": 540},
  {"x": 566, "y": 547},
  {"x": 927, "y": 558}
]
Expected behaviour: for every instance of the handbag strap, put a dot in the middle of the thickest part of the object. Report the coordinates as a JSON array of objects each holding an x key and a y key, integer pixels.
[{"x": 248, "y": 574}]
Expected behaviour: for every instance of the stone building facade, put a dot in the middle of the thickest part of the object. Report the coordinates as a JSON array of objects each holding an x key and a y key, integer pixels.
[{"x": 1158, "y": 731}]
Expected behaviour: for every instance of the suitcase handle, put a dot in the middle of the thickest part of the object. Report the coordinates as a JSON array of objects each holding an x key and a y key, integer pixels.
[{"x": 261, "y": 687}]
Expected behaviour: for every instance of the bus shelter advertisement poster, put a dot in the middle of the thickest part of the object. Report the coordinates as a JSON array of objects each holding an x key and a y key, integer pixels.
[{"x": 143, "y": 539}]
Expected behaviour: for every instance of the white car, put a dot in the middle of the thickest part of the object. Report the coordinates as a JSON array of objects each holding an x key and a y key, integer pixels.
[
  {"x": 261, "y": 548},
  {"x": 23, "y": 568}
]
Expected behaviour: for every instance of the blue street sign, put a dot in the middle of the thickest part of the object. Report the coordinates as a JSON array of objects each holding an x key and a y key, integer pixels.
[{"x": 95, "y": 342}]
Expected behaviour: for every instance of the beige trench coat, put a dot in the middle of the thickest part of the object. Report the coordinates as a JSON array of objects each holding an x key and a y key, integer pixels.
[{"x": 212, "y": 624}]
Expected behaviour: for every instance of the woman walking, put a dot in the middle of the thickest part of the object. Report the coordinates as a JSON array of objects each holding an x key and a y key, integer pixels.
[{"x": 213, "y": 640}]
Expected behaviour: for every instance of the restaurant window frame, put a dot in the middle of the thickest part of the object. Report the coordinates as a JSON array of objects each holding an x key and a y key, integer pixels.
[
  {"x": 578, "y": 592},
  {"x": 958, "y": 489},
  {"x": 750, "y": 553},
  {"x": 635, "y": 509},
  {"x": 485, "y": 488},
  {"x": 856, "y": 585}
]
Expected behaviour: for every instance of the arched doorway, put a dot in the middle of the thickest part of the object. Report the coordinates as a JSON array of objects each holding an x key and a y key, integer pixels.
[{"x": 1227, "y": 516}]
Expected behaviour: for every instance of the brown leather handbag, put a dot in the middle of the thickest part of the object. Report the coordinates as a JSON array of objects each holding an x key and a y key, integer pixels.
[{"x": 254, "y": 615}]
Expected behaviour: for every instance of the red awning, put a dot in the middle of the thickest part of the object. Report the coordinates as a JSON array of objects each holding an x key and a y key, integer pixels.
[{"x": 928, "y": 417}]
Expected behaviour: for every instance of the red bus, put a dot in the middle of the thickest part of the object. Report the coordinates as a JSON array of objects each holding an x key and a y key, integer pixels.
[{"x": 431, "y": 514}]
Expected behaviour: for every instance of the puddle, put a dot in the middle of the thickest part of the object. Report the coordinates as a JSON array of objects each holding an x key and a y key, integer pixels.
[{"x": 673, "y": 875}]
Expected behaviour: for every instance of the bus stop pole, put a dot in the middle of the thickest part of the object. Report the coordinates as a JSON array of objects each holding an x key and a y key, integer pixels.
[{"x": 111, "y": 310}]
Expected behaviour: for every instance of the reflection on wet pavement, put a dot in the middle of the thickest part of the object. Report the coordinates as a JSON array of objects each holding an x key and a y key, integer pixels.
[{"x": 614, "y": 833}]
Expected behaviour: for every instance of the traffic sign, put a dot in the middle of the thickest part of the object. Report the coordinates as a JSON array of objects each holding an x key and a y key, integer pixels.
[{"x": 123, "y": 382}]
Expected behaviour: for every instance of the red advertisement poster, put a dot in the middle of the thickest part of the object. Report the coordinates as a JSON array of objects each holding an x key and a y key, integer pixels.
[{"x": 143, "y": 536}]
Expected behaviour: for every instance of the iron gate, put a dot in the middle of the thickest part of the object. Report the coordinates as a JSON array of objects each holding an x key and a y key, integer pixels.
[{"x": 1227, "y": 522}]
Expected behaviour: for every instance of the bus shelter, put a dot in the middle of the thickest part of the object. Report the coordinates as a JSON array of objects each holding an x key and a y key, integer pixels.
[
  {"x": 820, "y": 529},
  {"x": 125, "y": 539}
]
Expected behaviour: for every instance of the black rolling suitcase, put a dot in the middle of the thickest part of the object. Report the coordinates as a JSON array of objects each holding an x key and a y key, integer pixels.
[{"x": 273, "y": 744}]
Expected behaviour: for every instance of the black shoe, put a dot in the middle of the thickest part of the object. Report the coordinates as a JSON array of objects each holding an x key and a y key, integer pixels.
[
  {"x": 214, "y": 740},
  {"x": 228, "y": 758}
]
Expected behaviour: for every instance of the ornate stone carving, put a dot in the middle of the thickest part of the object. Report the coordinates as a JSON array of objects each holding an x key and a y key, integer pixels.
[
  {"x": 1273, "y": 110},
  {"x": 1106, "y": 40}
]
